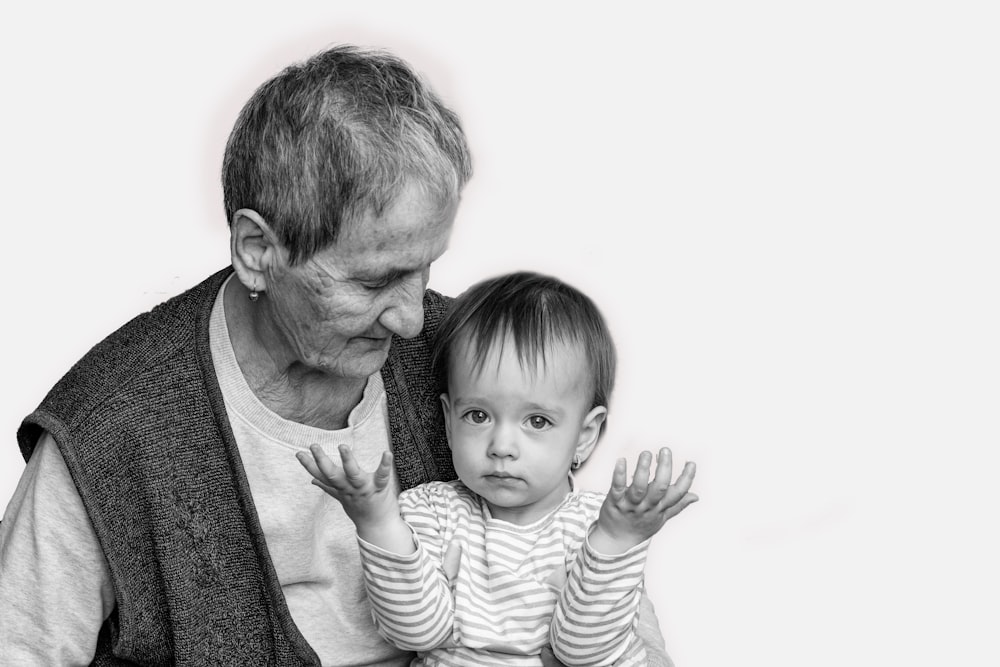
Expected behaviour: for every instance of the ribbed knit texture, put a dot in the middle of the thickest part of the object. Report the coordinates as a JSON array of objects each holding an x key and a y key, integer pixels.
[{"x": 141, "y": 424}]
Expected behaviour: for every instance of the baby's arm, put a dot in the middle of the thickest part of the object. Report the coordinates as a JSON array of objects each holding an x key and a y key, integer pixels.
[
  {"x": 593, "y": 623},
  {"x": 411, "y": 598}
]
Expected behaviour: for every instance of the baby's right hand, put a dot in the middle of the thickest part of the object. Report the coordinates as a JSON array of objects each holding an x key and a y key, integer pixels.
[
  {"x": 631, "y": 515},
  {"x": 367, "y": 498}
]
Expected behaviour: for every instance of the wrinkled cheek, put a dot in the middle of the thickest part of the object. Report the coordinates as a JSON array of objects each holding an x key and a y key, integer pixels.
[
  {"x": 318, "y": 329},
  {"x": 301, "y": 320},
  {"x": 414, "y": 290},
  {"x": 313, "y": 297}
]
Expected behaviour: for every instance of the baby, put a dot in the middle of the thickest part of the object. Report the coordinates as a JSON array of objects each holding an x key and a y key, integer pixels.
[{"x": 491, "y": 568}]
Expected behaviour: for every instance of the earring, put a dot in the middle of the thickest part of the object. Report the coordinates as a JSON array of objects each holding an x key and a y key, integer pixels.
[
  {"x": 577, "y": 462},
  {"x": 254, "y": 294}
]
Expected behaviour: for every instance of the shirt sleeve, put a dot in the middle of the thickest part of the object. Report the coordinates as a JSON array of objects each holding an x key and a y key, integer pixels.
[
  {"x": 411, "y": 598},
  {"x": 594, "y": 622},
  {"x": 55, "y": 587}
]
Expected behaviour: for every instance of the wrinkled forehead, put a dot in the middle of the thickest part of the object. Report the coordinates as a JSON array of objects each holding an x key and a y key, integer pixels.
[
  {"x": 412, "y": 210},
  {"x": 416, "y": 224}
]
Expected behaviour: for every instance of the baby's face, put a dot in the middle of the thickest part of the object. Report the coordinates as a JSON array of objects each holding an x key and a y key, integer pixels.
[{"x": 513, "y": 430}]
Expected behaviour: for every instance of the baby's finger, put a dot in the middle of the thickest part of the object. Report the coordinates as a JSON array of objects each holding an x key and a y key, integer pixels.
[
  {"x": 664, "y": 466},
  {"x": 355, "y": 475},
  {"x": 618, "y": 479},
  {"x": 679, "y": 506},
  {"x": 452, "y": 560},
  {"x": 640, "y": 479},
  {"x": 660, "y": 484},
  {"x": 683, "y": 483},
  {"x": 327, "y": 467},
  {"x": 308, "y": 463},
  {"x": 384, "y": 471}
]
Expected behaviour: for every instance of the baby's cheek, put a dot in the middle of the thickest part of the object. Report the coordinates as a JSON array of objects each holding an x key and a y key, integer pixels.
[{"x": 463, "y": 465}]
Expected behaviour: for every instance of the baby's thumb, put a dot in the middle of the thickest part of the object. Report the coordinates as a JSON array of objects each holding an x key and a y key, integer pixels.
[{"x": 452, "y": 558}]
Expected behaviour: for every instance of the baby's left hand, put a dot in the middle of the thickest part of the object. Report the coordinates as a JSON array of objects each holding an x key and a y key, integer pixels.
[{"x": 630, "y": 515}]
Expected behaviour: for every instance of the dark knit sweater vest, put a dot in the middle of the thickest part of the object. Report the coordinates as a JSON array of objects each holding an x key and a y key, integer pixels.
[{"x": 142, "y": 426}]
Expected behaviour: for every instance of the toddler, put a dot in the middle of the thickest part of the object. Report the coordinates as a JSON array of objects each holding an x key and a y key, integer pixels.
[{"x": 509, "y": 558}]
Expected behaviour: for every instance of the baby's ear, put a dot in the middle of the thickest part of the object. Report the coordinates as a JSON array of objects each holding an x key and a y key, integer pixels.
[
  {"x": 590, "y": 432},
  {"x": 446, "y": 409}
]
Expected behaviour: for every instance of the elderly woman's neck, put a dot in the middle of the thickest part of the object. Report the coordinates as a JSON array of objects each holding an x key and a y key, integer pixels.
[
  {"x": 283, "y": 384},
  {"x": 305, "y": 396}
]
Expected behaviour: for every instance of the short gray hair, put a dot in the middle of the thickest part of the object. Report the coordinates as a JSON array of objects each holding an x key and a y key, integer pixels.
[{"x": 336, "y": 137}]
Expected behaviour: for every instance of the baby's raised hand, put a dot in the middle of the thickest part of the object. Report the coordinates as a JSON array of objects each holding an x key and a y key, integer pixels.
[
  {"x": 367, "y": 497},
  {"x": 633, "y": 514}
]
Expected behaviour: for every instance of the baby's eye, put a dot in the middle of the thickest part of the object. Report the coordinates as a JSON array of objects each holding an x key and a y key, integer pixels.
[
  {"x": 476, "y": 417},
  {"x": 538, "y": 422}
]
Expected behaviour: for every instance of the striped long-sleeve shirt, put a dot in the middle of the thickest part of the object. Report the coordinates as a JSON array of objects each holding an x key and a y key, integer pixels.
[{"x": 481, "y": 591}]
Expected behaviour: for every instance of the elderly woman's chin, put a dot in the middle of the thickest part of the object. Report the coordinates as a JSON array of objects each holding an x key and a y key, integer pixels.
[{"x": 360, "y": 358}]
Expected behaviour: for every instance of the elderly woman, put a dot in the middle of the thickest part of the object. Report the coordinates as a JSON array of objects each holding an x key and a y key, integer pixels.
[{"x": 162, "y": 516}]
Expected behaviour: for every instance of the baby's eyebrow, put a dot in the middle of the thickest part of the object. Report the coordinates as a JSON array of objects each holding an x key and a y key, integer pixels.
[
  {"x": 479, "y": 401},
  {"x": 469, "y": 400},
  {"x": 544, "y": 408}
]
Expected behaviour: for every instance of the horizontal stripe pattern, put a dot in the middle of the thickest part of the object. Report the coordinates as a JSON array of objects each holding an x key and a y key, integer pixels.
[
  {"x": 497, "y": 604},
  {"x": 411, "y": 602},
  {"x": 594, "y": 622}
]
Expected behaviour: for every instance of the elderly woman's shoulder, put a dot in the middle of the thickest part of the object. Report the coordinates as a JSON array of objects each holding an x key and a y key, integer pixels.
[
  {"x": 436, "y": 303},
  {"x": 146, "y": 348},
  {"x": 171, "y": 325}
]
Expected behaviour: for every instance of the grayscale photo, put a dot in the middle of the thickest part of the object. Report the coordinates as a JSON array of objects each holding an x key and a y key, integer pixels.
[{"x": 556, "y": 334}]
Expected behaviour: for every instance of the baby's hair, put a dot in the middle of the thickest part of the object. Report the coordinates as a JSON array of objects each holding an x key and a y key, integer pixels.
[{"x": 535, "y": 311}]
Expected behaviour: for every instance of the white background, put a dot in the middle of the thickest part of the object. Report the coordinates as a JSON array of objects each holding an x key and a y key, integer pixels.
[{"x": 787, "y": 210}]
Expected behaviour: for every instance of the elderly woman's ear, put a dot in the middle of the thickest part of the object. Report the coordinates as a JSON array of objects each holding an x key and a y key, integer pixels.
[{"x": 254, "y": 248}]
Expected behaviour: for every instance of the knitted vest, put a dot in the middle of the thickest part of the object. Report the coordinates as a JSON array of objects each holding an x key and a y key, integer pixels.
[{"x": 142, "y": 426}]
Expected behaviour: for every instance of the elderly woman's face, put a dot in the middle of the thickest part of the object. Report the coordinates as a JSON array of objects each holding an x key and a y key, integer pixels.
[{"x": 337, "y": 311}]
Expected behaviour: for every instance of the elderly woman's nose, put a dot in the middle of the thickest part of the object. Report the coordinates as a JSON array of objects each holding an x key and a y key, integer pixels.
[{"x": 404, "y": 314}]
